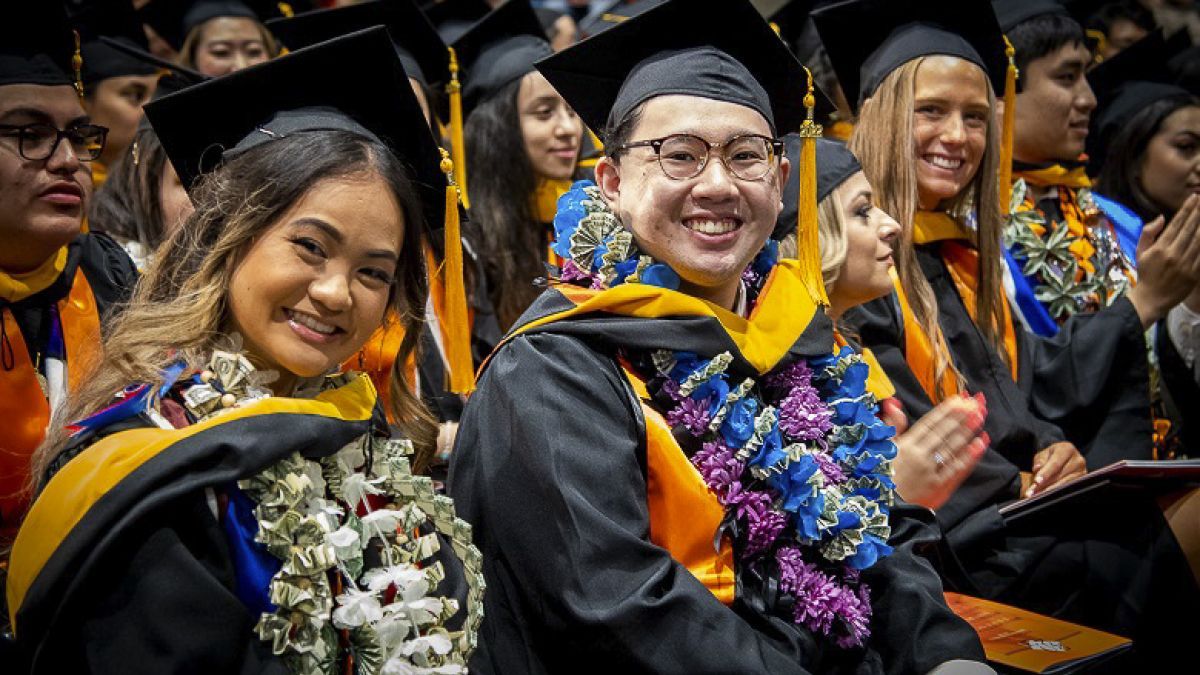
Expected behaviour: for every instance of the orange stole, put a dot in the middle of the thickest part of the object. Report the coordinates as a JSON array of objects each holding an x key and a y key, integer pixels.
[
  {"x": 23, "y": 404},
  {"x": 379, "y": 353},
  {"x": 918, "y": 349},
  {"x": 684, "y": 513}
]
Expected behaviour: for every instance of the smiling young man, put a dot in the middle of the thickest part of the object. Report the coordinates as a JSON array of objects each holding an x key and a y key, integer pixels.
[
  {"x": 56, "y": 285},
  {"x": 640, "y": 461}
]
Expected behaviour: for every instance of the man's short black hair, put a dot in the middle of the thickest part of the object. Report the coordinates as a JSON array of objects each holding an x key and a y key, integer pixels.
[
  {"x": 1042, "y": 35},
  {"x": 1125, "y": 10}
]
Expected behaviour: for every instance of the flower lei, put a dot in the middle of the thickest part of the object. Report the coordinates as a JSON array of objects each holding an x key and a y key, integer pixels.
[
  {"x": 372, "y": 577},
  {"x": 1076, "y": 265},
  {"x": 800, "y": 460}
]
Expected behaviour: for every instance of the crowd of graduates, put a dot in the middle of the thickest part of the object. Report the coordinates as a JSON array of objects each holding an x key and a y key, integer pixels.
[{"x": 663, "y": 336}]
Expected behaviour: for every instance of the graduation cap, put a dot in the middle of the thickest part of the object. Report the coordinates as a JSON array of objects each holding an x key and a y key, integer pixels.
[
  {"x": 835, "y": 165},
  {"x": 1010, "y": 13},
  {"x": 37, "y": 45},
  {"x": 311, "y": 89},
  {"x": 117, "y": 21},
  {"x": 717, "y": 49},
  {"x": 1128, "y": 82},
  {"x": 868, "y": 39},
  {"x": 614, "y": 13},
  {"x": 175, "y": 77},
  {"x": 174, "y": 20},
  {"x": 452, "y": 18},
  {"x": 417, "y": 43},
  {"x": 499, "y": 48}
]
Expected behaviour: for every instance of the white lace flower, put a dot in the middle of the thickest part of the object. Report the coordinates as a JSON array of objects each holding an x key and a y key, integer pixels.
[
  {"x": 356, "y": 608},
  {"x": 401, "y": 666},
  {"x": 438, "y": 643},
  {"x": 356, "y": 486},
  {"x": 405, "y": 578},
  {"x": 382, "y": 522},
  {"x": 345, "y": 542}
]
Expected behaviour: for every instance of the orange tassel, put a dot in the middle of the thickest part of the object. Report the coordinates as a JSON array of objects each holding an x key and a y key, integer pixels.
[
  {"x": 808, "y": 242},
  {"x": 77, "y": 67},
  {"x": 1007, "y": 127},
  {"x": 457, "y": 330},
  {"x": 457, "y": 145}
]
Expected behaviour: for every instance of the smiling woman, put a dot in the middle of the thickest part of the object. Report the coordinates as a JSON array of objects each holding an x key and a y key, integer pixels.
[{"x": 222, "y": 398}]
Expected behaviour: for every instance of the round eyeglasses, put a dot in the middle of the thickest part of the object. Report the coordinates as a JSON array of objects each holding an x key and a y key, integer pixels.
[
  {"x": 684, "y": 156},
  {"x": 36, "y": 142}
]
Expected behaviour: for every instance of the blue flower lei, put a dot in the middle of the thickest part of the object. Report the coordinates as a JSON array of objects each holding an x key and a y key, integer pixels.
[{"x": 800, "y": 460}]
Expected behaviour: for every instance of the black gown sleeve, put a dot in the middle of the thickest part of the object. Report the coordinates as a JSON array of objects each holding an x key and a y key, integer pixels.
[
  {"x": 914, "y": 630},
  {"x": 109, "y": 271},
  {"x": 163, "y": 604},
  {"x": 549, "y": 468},
  {"x": 1092, "y": 380}
]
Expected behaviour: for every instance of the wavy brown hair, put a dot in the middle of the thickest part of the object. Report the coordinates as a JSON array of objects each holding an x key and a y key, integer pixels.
[
  {"x": 180, "y": 308},
  {"x": 886, "y": 116}
]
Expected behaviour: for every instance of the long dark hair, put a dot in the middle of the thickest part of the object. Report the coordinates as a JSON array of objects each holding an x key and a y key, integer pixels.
[
  {"x": 180, "y": 308},
  {"x": 1120, "y": 176},
  {"x": 129, "y": 204},
  {"x": 501, "y": 186}
]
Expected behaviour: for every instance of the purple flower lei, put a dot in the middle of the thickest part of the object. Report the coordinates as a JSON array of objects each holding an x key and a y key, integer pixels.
[{"x": 802, "y": 466}]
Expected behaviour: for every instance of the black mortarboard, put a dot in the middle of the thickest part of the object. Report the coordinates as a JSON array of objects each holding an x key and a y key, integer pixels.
[
  {"x": 177, "y": 77},
  {"x": 615, "y": 12},
  {"x": 173, "y": 20},
  {"x": 452, "y": 18},
  {"x": 116, "y": 20},
  {"x": 788, "y": 16},
  {"x": 420, "y": 49},
  {"x": 718, "y": 49},
  {"x": 868, "y": 39},
  {"x": 36, "y": 44},
  {"x": 1010, "y": 13},
  {"x": 499, "y": 48},
  {"x": 307, "y": 90},
  {"x": 1127, "y": 83},
  {"x": 835, "y": 164}
]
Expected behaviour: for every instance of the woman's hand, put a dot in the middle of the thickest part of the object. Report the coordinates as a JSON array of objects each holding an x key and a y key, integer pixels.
[
  {"x": 940, "y": 450},
  {"x": 1168, "y": 260},
  {"x": 1054, "y": 465}
]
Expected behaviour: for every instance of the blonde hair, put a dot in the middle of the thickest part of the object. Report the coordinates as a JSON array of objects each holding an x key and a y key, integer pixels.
[
  {"x": 832, "y": 228},
  {"x": 887, "y": 116},
  {"x": 187, "y": 52},
  {"x": 180, "y": 308}
]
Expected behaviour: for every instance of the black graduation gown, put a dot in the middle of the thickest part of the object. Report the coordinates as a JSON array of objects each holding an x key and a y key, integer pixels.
[
  {"x": 1180, "y": 391},
  {"x": 108, "y": 270},
  {"x": 550, "y": 467},
  {"x": 1092, "y": 380},
  {"x": 144, "y": 582},
  {"x": 1117, "y": 569}
]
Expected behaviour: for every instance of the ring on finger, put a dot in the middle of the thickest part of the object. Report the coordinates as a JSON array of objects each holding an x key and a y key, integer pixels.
[{"x": 939, "y": 460}]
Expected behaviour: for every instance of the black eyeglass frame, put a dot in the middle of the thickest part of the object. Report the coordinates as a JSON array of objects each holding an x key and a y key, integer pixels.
[
  {"x": 775, "y": 145},
  {"x": 72, "y": 134}
]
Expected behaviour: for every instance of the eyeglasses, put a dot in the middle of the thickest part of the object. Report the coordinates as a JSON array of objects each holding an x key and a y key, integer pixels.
[
  {"x": 684, "y": 156},
  {"x": 36, "y": 142}
]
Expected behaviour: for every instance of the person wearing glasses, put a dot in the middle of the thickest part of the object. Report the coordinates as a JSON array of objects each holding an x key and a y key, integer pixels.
[
  {"x": 58, "y": 283},
  {"x": 669, "y": 466}
]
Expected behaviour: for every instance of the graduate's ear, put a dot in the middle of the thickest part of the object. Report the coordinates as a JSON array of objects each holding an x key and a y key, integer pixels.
[{"x": 608, "y": 179}]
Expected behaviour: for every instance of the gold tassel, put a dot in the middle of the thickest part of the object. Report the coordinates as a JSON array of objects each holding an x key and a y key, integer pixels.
[
  {"x": 77, "y": 67},
  {"x": 1007, "y": 126},
  {"x": 457, "y": 145},
  {"x": 808, "y": 242},
  {"x": 775, "y": 27},
  {"x": 457, "y": 332},
  {"x": 285, "y": 10}
]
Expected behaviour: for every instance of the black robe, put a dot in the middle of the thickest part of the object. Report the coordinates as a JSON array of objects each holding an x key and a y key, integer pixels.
[
  {"x": 550, "y": 467},
  {"x": 144, "y": 581},
  {"x": 109, "y": 272},
  {"x": 1120, "y": 569}
]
